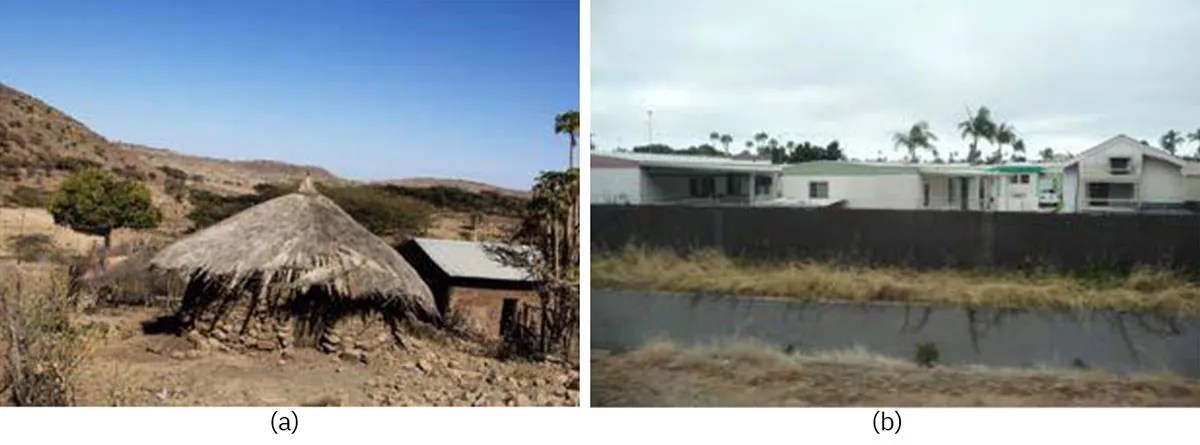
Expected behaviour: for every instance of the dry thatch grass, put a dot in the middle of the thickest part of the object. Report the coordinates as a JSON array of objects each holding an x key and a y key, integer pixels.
[
  {"x": 1144, "y": 290},
  {"x": 748, "y": 373},
  {"x": 295, "y": 242}
]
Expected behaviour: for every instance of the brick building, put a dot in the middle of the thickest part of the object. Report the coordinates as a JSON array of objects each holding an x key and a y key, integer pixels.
[{"x": 467, "y": 279}]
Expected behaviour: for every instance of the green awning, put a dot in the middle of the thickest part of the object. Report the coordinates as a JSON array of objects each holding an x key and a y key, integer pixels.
[{"x": 1015, "y": 169}]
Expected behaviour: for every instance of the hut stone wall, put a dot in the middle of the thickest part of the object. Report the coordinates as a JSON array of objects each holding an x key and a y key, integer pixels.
[{"x": 279, "y": 330}]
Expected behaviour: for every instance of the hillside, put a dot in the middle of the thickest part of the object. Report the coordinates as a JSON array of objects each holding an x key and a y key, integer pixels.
[
  {"x": 40, "y": 145},
  {"x": 470, "y": 186}
]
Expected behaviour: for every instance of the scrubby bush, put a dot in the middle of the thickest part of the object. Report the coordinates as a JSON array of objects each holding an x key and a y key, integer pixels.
[
  {"x": 927, "y": 354},
  {"x": 384, "y": 214},
  {"x": 71, "y": 164},
  {"x": 34, "y": 247},
  {"x": 25, "y": 196},
  {"x": 42, "y": 350},
  {"x": 459, "y": 200},
  {"x": 173, "y": 172}
]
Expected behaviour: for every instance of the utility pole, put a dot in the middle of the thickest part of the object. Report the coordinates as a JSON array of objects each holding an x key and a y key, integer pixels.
[{"x": 649, "y": 126}]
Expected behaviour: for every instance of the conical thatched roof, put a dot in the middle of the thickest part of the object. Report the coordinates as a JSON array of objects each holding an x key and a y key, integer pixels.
[{"x": 298, "y": 240}]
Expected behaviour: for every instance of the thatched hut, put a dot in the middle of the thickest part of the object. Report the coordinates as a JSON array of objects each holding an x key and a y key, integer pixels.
[{"x": 294, "y": 267}]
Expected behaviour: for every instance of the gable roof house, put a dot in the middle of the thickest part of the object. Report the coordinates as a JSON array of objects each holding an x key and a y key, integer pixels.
[
  {"x": 1123, "y": 175},
  {"x": 469, "y": 281}
]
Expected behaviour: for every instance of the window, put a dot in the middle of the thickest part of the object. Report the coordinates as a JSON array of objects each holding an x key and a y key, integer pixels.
[
  {"x": 734, "y": 185},
  {"x": 926, "y": 193},
  {"x": 1013, "y": 179},
  {"x": 1107, "y": 194},
  {"x": 818, "y": 190},
  {"x": 1119, "y": 166},
  {"x": 1024, "y": 179},
  {"x": 701, "y": 187},
  {"x": 950, "y": 190},
  {"x": 762, "y": 185}
]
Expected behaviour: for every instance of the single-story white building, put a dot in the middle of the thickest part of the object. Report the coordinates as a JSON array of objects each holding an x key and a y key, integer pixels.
[
  {"x": 644, "y": 178},
  {"x": 866, "y": 185},
  {"x": 1124, "y": 175}
]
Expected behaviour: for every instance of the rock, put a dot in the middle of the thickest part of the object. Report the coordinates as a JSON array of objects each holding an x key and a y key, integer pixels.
[
  {"x": 423, "y": 366},
  {"x": 522, "y": 400},
  {"x": 331, "y": 338},
  {"x": 212, "y": 342},
  {"x": 193, "y": 354},
  {"x": 364, "y": 357},
  {"x": 282, "y": 362},
  {"x": 338, "y": 369},
  {"x": 328, "y": 348},
  {"x": 479, "y": 399},
  {"x": 154, "y": 349},
  {"x": 178, "y": 355},
  {"x": 195, "y": 338},
  {"x": 219, "y": 335},
  {"x": 265, "y": 345},
  {"x": 349, "y": 356},
  {"x": 287, "y": 353}
]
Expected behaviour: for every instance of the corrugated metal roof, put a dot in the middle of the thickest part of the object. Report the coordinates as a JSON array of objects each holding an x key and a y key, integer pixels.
[{"x": 468, "y": 259}]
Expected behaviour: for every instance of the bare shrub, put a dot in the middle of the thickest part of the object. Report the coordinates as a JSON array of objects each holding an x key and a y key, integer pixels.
[
  {"x": 34, "y": 247},
  {"x": 43, "y": 350}
]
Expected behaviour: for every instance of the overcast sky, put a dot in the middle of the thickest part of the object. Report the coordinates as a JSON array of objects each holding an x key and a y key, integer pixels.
[{"x": 1066, "y": 74}]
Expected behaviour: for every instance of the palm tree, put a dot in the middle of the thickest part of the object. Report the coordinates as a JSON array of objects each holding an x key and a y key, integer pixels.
[
  {"x": 1004, "y": 134},
  {"x": 761, "y": 138},
  {"x": 1047, "y": 154},
  {"x": 1018, "y": 150},
  {"x": 568, "y": 123},
  {"x": 1195, "y": 137},
  {"x": 918, "y": 136},
  {"x": 977, "y": 126},
  {"x": 1170, "y": 140},
  {"x": 726, "y": 139}
]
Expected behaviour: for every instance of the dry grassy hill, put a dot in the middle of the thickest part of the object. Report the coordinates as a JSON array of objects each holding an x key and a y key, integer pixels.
[
  {"x": 40, "y": 145},
  {"x": 470, "y": 186}
]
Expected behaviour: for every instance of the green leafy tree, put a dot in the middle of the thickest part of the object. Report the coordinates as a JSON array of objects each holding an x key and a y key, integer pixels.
[
  {"x": 549, "y": 230},
  {"x": 568, "y": 124},
  {"x": 1047, "y": 154},
  {"x": 1171, "y": 140},
  {"x": 917, "y": 137},
  {"x": 977, "y": 126},
  {"x": 1195, "y": 137},
  {"x": 97, "y": 202}
]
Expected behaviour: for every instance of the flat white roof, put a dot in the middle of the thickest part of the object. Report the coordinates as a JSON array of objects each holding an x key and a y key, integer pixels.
[{"x": 694, "y": 162}]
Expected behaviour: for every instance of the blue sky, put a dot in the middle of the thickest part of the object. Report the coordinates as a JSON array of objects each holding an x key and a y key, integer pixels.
[{"x": 367, "y": 89}]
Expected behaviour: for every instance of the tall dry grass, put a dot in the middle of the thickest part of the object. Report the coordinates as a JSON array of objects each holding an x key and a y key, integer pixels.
[
  {"x": 1143, "y": 290},
  {"x": 42, "y": 349}
]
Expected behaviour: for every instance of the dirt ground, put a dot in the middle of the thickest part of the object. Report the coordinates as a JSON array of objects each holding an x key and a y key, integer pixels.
[
  {"x": 738, "y": 376},
  {"x": 131, "y": 368}
]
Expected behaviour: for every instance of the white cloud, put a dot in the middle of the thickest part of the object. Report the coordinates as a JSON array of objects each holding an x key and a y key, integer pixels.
[{"x": 1067, "y": 74}]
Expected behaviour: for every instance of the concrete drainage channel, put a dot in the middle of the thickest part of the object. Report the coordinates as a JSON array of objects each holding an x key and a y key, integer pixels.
[{"x": 1121, "y": 343}]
